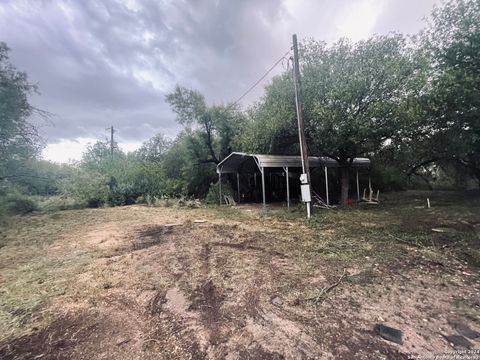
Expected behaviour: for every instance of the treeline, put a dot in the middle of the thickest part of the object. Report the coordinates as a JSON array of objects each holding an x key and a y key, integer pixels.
[{"x": 411, "y": 104}]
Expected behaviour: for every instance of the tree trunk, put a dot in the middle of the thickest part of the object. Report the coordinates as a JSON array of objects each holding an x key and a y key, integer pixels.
[{"x": 344, "y": 183}]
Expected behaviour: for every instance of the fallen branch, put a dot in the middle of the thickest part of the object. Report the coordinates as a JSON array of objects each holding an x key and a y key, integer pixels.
[
  {"x": 327, "y": 289},
  {"x": 151, "y": 340}
]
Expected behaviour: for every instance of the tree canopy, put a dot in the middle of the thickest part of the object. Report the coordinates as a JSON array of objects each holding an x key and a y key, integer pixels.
[
  {"x": 452, "y": 39},
  {"x": 19, "y": 139},
  {"x": 356, "y": 97}
]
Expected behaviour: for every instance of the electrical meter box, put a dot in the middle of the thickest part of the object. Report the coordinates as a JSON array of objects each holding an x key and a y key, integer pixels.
[
  {"x": 306, "y": 197},
  {"x": 303, "y": 179}
]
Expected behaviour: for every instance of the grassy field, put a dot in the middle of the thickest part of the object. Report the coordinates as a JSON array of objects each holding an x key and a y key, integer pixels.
[{"x": 137, "y": 282}]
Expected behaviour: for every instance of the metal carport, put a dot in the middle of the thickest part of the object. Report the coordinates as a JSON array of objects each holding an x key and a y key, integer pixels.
[{"x": 237, "y": 163}]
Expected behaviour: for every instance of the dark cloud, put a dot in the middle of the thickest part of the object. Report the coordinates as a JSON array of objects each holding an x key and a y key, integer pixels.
[{"x": 107, "y": 62}]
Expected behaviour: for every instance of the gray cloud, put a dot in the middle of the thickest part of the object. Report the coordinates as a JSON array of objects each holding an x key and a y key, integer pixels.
[{"x": 99, "y": 63}]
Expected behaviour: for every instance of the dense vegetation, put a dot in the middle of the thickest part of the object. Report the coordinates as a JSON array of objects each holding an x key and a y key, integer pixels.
[{"x": 411, "y": 104}]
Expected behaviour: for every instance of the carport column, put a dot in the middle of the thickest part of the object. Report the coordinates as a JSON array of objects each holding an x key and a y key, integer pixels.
[
  {"x": 288, "y": 187},
  {"x": 220, "y": 184},
  {"x": 326, "y": 186},
  {"x": 358, "y": 187},
  {"x": 238, "y": 187},
  {"x": 370, "y": 187},
  {"x": 262, "y": 169},
  {"x": 255, "y": 182}
]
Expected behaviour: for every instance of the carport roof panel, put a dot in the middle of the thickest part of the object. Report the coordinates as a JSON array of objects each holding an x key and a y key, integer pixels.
[{"x": 237, "y": 161}]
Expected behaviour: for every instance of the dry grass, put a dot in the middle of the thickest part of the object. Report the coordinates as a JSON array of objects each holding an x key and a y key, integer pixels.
[{"x": 162, "y": 284}]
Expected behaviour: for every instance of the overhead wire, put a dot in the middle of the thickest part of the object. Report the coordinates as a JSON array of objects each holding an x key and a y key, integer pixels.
[{"x": 261, "y": 78}]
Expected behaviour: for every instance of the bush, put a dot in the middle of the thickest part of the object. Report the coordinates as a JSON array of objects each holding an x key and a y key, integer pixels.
[
  {"x": 56, "y": 203},
  {"x": 123, "y": 194},
  {"x": 213, "y": 195},
  {"x": 388, "y": 178},
  {"x": 18, "y": 204},
  {"x": 163, "y": 202},
  {"x": 193, "y": 203},
  {"x": 88, "y": 189}
]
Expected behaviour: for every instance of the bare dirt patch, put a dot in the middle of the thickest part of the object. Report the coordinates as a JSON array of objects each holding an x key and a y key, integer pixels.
[{"x": 150, "y": 235}]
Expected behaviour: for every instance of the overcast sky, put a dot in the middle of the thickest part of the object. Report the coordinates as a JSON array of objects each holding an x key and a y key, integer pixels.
[{"x": 110, "y": 62}]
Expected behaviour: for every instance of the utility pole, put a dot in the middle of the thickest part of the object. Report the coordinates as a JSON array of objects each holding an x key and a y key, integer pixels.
[
  {"x": 111, "y": 140},
  {"x": 305, "y": 177}
]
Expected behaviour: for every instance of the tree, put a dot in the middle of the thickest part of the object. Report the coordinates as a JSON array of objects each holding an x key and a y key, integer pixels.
[
  {"x": 41, "y": 177},
  {"x": 212, "y": 128},
  {"x": 19, "y": 139},
  {"x": 191, "y": 110},
  {"x": 356, "y": 96},
  {"x": 452, "y": 39},
  {"x": 117, "y": 172},
  {"x": 210, "y": 134},
  {"x": 98, "y": 156},
  {"x": 154, "y": 149},
  {"x": 270, "y": 126}
]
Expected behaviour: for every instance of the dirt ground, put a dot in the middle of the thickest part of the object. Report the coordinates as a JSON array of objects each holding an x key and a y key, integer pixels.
[{"x": 173, "y": 283}]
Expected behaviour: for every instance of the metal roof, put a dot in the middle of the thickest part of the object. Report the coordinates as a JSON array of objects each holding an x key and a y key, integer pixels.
[{"x": 243, "y": 162}]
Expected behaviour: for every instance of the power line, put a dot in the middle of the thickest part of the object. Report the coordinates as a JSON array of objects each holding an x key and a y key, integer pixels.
[{"x": 259, "y": 80}]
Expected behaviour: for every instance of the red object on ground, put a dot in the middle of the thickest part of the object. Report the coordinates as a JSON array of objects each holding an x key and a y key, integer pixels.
[{"x": 349, "y": 202}]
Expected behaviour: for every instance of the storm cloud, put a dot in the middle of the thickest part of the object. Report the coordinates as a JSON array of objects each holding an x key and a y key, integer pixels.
[{"x": 99, "y": 63}]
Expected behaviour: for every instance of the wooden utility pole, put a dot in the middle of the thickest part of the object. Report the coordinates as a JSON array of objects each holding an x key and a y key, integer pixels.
[
  {"x": 111, "y": 140},
  {"x": 306, "y": 192}
]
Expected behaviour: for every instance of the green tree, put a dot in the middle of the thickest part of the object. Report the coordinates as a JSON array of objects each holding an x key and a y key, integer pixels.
[
  {"x": 19, "y": 139},
  {"x": 270, "y": 125},
  {"x": 99, "y": 166},
  {"x": 453, "y": 40},
  {"x": 356, "y": 96},
  {"x": 185, "y": 171},
  {"x": 210, "y": 134},
  {"x": 154, "y": 149},
  {"x": 42, "y": 177},
  {"x": 212, "y": 128}
]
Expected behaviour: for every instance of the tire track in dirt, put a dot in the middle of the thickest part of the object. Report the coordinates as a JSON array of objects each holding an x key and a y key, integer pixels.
[{"x": 214, "y": 291}]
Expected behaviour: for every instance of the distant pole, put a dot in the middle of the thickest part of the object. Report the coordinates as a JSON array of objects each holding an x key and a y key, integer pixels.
[
  {"x": 301, "y": 125},
  {"x": 111, "y": 141}
]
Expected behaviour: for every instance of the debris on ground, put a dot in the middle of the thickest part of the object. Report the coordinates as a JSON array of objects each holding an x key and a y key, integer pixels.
[
  {"x": 463, "y": 329},
  {"x": 458, "y": 341},
  {"x": 389, "y": 333}
]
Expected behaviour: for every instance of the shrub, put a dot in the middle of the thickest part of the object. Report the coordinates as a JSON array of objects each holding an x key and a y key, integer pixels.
[
  {"x": 193, "y": 203},
  {"x": 213, "y": 194},
  {"x": 88, "y": 189},
  {"x": 388, "y": 178},
  {"x": 18, "y": 204},
  {"x": 56, "y": 203},
  {"x": 163, "y": 202}
]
